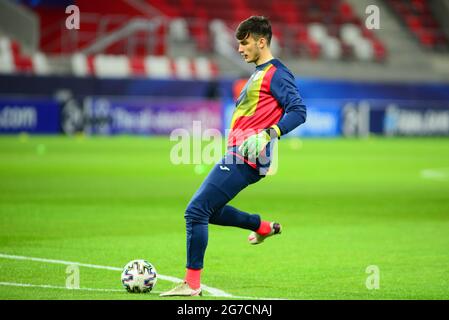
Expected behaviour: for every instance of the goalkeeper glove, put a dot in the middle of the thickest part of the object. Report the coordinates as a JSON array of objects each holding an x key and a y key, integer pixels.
[{"x": 253, "y": 145}]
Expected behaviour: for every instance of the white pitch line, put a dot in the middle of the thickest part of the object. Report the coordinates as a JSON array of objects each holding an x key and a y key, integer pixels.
[
  {"x": 213, "y": 291},
  {"x": 46, "y": 286},
  {"x": 14, "y": 284},
  {"x": 94, "y": 266}
]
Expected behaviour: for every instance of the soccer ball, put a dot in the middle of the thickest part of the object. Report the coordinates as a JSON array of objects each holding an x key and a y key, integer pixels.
[{"x": 139, "y": 276}]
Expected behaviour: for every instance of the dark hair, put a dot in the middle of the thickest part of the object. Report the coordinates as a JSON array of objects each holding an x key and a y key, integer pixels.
[{"x": 257, "y": 26}]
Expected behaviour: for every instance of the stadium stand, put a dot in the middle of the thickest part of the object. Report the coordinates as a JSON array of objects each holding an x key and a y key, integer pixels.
[
  {"x": 195, "y": 38},
  {"x": 307, "y": 28},
  {"x": 107, "y": 66},
  {"x": 13, "y": 60},
  {"x": 418, "y": 17}
]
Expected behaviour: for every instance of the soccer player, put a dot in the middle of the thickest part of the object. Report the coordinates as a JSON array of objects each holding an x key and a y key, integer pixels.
[{"x": 268, "y": 107}]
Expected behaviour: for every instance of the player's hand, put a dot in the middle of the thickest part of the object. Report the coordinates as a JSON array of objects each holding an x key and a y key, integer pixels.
[{"x": 253, "y": 145}]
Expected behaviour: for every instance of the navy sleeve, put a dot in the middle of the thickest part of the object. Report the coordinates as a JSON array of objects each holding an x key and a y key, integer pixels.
[{"x": 284, "y": 89}]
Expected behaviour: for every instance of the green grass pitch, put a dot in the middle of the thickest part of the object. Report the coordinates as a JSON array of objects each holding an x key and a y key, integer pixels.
[{"x": 345, "y": 204}]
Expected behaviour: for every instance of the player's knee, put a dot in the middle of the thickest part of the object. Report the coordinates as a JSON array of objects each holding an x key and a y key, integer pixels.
[{"x": 196, "y": 212}]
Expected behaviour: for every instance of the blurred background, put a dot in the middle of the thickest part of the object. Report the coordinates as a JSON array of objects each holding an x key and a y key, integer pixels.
[{"x": 127, "y": 66}]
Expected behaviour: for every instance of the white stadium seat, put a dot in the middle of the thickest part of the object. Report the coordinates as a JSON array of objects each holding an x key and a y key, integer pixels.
[
  {"x": 183, "y": 68},
  {"x": 40, "y": 64},
  {"x": 317, "y": 32},
  {"x": 363, "y": 50},
  {"x": 158, "y": 67},
  {"x": 112, "y": 66},
  {"x": 203, "y": 68},
  {"x": 350, "y": 34},
  {"x": 179, "y": 30},
  {"x": 331, "y": 48},
  {"x": 79, "y": 65},
  {"x": 6, "y": 56}
]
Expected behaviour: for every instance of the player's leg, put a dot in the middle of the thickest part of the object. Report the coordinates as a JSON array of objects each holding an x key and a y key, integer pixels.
[
  {"x": 230, "y": 216},
  {"x": 233, "y": 217},
  {"x": 222, "y": 184}
]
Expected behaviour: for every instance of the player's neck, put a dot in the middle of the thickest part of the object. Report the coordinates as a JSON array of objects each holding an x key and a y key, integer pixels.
[{"x": 264, "y": 58}]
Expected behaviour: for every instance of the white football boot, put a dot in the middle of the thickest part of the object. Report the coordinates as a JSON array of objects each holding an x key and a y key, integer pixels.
[
  {"x": 255, "y": 238},
  {"x": 182, "y": 289}
]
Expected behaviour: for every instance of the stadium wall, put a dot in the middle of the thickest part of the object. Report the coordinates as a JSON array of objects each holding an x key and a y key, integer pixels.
[{"x": 55, "y": 105}]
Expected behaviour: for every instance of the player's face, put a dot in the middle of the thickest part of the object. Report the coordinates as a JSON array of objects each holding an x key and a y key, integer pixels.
[{"x": 249, "y": 49}]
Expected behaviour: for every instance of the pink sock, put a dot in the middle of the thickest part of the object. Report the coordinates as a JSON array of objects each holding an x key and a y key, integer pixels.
[
  {"x": 264, "y": 228},
  {"x": 193, "y": 278}
]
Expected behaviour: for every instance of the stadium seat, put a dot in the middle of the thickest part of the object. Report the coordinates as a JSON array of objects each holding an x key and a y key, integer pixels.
[
  {"x": 109, "y": 66},
  {"x": 350, "y": 34},
  {"x": 317, "y": 32},
  {"x": 204, "y": 68},
  {"x": 158, "y": 67},
  {"x": 80, "y": 65},
  {"x": 40, "y": 64},
  {"x": 179, "y": 30},
  {"x": 183, "y": 68},
  {"x": 363, "y": 50},
  {"x": 332, "y": 48},
  {"x": 6, "y": 56}
]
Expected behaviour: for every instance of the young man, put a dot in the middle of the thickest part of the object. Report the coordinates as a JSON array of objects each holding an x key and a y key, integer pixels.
[{"x": 269, "y": 106}]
